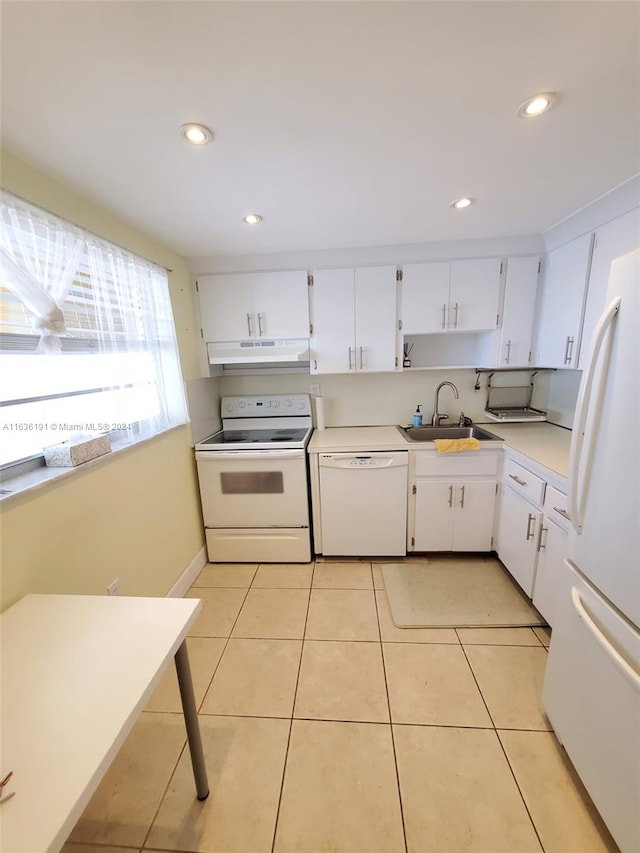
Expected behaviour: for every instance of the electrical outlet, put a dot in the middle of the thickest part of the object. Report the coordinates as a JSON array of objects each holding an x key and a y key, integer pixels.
[
  {"x": 114, "y": 587},
  {"x": 315, "y": 390}
]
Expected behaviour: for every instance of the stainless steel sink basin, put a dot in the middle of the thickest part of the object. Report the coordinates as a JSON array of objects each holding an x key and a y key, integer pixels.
[{"x": 430, "y": 433}]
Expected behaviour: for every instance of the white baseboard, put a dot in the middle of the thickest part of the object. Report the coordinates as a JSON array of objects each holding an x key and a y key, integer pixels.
[{"x": 187, "y": 578}]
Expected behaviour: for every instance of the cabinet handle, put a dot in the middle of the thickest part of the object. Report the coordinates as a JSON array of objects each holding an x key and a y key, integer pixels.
[
  {"x": 568, "y": 351},
  {"x": 315, "y": 364},
  {"x": 531, "y": 533},
  {"x": 350, "y": 363},
  {"x": 542, "y": 530},
  {"x": 455, "y": 316},
  {"x": 508, "y": 356},
  {"x": 450, "y": 495},
  {"x": 444, "y": 315},
  {"x": 562, "y": 512},
  {"x": 518, "y": 480},
  {"x": 462, "y": 497},
  {"x": 361, "y": 360},
  {"x": 249, "y": 325},
  {"x": 260, "y": 324}
]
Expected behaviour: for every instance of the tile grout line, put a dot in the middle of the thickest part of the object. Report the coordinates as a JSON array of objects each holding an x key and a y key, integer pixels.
[
  {"x": 228, "y": 638},
  {"x": 184, "y": 746},
  {"x": 495, "y": 729},
  {"x": 393, "y": 740},
  {"x": 515, "y": 780},
  {"x": 291, "y": 718}
]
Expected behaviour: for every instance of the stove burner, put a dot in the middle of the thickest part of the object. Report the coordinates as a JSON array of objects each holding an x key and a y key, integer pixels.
[{"x": 249, "y": 437}]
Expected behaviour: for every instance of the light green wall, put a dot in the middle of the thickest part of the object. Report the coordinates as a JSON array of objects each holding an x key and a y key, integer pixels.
[{"x": 136, "y": 515}]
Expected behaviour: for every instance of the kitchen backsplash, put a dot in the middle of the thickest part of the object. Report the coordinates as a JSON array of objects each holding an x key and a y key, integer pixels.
[
  {"x": 203, "y": 400},
  {"x": 384, "y": 398}
]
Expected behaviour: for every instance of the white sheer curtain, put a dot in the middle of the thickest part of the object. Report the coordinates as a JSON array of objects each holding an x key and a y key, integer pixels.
[
  {"x": 107, "y": 357},
  {"x": 39, "y": 260},
  {"x": 133, "y": 316}
]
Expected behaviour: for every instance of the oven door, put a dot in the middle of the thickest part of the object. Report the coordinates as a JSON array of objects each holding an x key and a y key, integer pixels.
[{"x": 253, "y": 488}]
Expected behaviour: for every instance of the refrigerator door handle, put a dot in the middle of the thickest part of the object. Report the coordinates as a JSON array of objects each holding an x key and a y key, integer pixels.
[
  {"x": 577, "y": 469},
  {"x": 611, "y": 651}
]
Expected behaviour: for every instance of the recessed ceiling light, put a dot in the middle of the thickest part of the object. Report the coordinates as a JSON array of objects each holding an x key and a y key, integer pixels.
[
  {"x": 252, "y": 218},
  {"x": 196, "y": 134},
  {"x": 536, "y": 105},
  {"x": 461, "y": 203}
]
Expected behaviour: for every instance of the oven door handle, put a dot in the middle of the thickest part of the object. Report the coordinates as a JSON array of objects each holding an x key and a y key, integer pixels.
[{"x": 239, "y": 455}]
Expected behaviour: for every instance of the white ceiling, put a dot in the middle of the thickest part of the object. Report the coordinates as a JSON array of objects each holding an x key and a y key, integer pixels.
[{"x": 342, "y": 123}]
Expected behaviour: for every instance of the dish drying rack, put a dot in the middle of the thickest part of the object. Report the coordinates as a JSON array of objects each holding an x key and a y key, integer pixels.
[{"x": 511, "y": 403}]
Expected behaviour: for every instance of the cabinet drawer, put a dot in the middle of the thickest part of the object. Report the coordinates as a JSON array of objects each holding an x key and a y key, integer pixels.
[
  {"x": 524, "y": 482},
  {"x": 465, "y": 464},
  {"x": 555, "y": 506}
]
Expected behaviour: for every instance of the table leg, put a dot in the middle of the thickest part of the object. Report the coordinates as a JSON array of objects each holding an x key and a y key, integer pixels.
[{"x": 191, "y": 721}]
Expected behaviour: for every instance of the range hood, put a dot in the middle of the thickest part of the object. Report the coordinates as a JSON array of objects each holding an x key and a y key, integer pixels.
[{"x": 260, "y": 352}]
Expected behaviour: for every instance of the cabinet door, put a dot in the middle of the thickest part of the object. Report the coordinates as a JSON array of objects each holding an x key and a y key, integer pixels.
[
  {"x": 563, "y": 291},
  {"x": 226, "y": 307},
  {"x": 280, "y": 304},
  {"x": 613, "y": 240},
  {"x": 552, "y": 550},
  {"x": 434, "y": 515},
  {"x": 425, "y": 298},
  {"x": 518, "y": 313},
  {"x": 518, "y": 527},
  {"x": 474, "y": 511},
  {"x": 375, "y": 319},
  {"x": 474, "y": 295},
  {"x": 331, "y": 306}
]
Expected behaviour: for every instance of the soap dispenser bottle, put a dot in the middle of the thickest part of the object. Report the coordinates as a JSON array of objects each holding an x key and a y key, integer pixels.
[{"x": 417, "y": 417}]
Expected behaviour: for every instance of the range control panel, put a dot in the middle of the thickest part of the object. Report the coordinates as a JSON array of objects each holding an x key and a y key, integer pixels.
[{"x": 277, "y": 405}]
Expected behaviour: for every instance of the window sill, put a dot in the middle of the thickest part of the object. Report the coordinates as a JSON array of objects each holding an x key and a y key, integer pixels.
[{"x": 24, "y": 484}]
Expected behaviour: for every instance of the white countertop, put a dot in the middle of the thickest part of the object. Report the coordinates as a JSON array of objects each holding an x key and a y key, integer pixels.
[
  {"x": 544, "y": 443},
  {"x": 337, "y": 439}
]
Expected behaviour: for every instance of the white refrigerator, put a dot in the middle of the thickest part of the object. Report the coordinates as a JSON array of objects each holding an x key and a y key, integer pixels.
[{"x": 592, "y": 683}]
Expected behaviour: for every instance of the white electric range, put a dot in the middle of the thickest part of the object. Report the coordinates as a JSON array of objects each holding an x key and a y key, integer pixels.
[{"x": 254, "y": 483}]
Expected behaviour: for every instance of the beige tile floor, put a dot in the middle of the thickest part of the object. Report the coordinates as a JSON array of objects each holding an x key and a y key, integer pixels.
[{"x": 328, "y": 730}]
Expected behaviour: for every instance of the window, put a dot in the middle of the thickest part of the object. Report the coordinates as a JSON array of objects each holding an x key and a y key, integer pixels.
[{"x": 87, "y": 340}]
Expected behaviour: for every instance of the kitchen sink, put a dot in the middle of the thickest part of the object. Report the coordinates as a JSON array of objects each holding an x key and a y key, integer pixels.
[{"x": 430, "y": 433}]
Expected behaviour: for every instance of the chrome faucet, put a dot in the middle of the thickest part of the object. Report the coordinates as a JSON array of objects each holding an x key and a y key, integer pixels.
[{"x": 437, "y": 417}]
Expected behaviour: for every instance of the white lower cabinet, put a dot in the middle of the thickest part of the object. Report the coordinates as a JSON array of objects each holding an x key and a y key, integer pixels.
[
  {"x": 454, "y": 516},
  {"x": 452, "y": 501},
  {"x": 552, "y": 550},
  {"x": 551, "y": 554},
  {"x": 532, "y": 535},
  {"x": 518, "y": 525}
]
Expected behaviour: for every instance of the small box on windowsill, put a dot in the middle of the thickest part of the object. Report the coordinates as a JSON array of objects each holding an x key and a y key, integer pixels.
[{"x": 76, "y": 450}]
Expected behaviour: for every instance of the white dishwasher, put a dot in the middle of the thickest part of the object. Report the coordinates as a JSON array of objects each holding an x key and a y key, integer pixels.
[{"x": 363, "y": 503}]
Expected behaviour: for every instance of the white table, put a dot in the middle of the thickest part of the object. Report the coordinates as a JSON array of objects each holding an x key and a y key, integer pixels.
[{"x": 76, "y": 672}]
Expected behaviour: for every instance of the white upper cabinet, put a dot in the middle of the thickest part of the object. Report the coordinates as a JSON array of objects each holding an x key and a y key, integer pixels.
[
  {"x": 247, "y": 306},
  {"x": 353, "y": 320},
  {"x": 616, "y": 238},
  {"x": 474, "y": 295},
  {"x": 562, "y": 304},
  {"x": 456, "y": 296},
  {"x": 425, "y": 298},
  {"x": 518, "y": 312}
]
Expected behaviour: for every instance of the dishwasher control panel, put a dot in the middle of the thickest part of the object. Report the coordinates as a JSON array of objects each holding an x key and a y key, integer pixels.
[{"x": 361, "y": 460}]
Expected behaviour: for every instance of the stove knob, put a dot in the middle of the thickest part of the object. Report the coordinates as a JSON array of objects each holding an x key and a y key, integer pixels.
[
  {"x": 289, "y": 404},
  {"x": 276, "y": 403},
  {"x": 243, "y": 405}
]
